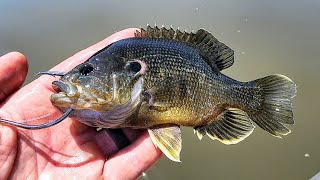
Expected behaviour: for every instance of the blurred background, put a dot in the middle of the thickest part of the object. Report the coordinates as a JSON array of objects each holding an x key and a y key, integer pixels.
[{"x": 268, "y": 37}]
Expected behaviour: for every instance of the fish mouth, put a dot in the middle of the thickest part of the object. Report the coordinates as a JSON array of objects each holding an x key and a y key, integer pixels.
[
  {"x": 60, "y": 86},
  {"x": 69, "y": 89},
  {"x": 77, "y": 96},
  {"x": 67, "y": 94}
]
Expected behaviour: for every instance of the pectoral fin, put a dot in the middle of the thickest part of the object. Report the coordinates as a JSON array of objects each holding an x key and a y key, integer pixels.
[
  {"x": 168, "y": 140},
  {"x": 230, "y": 127}
]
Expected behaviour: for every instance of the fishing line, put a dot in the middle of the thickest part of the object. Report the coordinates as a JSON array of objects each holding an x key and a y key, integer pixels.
[{"x": 40, "y": 126}]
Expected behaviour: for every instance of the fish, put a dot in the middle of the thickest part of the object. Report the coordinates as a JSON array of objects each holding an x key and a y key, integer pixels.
[{"x": 162, "y": 79}]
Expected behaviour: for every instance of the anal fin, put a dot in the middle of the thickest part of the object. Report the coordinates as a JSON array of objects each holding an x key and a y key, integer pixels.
[
  {"x": 168, "y": 140},
  {"x": 230, "y": 127}
]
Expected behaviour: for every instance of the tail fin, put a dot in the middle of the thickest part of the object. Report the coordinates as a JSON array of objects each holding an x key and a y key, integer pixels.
[{"x": 275, "y": 104}]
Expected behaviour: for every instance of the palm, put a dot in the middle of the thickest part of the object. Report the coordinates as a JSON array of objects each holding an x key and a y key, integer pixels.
[
  {"x": 66, "y": 149},
  {"x": 68, "y": 144}
]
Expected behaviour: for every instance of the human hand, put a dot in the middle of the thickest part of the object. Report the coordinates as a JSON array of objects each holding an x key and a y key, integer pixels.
[{"x": 68, "y": 149}]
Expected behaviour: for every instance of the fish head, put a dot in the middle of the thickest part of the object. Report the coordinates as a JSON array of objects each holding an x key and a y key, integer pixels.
[{"x": 94, "y": 85}]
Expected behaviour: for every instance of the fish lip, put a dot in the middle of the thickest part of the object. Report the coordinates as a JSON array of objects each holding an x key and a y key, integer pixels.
[
  {"x": 71, "y": 90},
  {"x": 59, "y": 86},
  {"x": 66, "y": 96}
]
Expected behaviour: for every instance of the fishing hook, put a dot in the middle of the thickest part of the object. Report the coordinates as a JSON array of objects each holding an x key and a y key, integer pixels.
[
  {"x": 40, "y": 126},
  {"x": 51, "y": 73}
]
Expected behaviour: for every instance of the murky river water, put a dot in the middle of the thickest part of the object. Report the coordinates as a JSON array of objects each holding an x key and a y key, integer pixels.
[{"x": 268, "y": 37}]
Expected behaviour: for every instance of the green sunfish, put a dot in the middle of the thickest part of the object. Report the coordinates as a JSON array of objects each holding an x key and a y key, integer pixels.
[{"x": 162, "y": 79}]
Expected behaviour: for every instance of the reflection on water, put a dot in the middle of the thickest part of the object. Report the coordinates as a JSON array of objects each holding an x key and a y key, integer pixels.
[{"x": 268, "y": 37}]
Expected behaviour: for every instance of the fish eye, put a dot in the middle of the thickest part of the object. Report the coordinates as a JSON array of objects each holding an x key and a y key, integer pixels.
[{"x": 86, "y": 69}]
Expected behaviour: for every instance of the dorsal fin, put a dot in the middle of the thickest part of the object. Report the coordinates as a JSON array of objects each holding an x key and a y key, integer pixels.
[{"x": 215, "y": 52}]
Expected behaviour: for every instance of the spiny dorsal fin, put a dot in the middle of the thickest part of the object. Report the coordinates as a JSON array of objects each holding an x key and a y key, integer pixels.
[
  {"x": 230, "y": 127},
  {"x": 215, "y": 52}
]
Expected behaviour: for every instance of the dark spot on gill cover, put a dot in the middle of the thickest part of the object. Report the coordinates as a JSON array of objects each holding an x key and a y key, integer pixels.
[{"x": 134, "y": 66}]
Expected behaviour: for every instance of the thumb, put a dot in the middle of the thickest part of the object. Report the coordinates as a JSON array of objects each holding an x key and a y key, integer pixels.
[{"x": 13, "y": 72}]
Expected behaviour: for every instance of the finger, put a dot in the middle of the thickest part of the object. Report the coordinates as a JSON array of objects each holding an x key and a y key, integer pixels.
[
  {"x": 13, "y": 72},
  {"x": 131, "y": 162},
  {"x": 111, "y": 141}
]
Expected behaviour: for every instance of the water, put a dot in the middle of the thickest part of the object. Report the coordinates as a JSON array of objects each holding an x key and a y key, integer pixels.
[{"x": 268, "y": 37}]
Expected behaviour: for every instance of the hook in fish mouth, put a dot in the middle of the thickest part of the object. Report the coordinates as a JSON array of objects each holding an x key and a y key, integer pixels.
[{"x": 61, "y": 88}]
